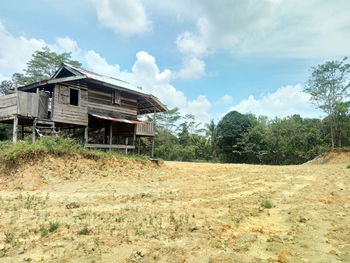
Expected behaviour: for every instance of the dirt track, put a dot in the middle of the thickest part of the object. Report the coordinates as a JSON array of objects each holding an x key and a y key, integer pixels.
[{"x": 181, "y": 212}]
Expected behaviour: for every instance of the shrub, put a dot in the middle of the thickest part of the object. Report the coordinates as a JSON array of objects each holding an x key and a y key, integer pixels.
[{"x": 267, "y": 204}]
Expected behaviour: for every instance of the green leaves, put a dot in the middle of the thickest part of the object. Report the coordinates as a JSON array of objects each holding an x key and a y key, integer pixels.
[
  {"x": 43, "y": 65},
  {"x": 329, "y": 86}
]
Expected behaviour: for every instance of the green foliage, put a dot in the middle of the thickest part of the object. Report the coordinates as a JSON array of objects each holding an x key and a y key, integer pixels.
[
  {"x": 43, "y": 65},
  {"x": 53, "y": 226},
  {"x": 5, "y": 132},
  {"x": 43, "y": 231},
  {"x": 348, "y": 167},
  {"x": 25, "y": 150},
  {"x": 267, "y": 204},
  {"x": 329, "y": 86},
  {"x": 228, "y": 134}
]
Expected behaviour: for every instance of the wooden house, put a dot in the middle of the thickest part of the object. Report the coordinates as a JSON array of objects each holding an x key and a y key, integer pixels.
[{"x": 106, "y": 109}]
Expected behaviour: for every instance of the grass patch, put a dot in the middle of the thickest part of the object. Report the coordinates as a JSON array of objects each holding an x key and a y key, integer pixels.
[
  {"x": 53, "y": 226},
  {"x": 348, "y": 167},
  {"x": 59, "y": 146},
  {"x": 84, "y": 231}
]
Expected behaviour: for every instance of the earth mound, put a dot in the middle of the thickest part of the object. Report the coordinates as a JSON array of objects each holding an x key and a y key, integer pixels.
[
  {"x": 52, "y": 169},
  {"x": 334, "y": 156}
]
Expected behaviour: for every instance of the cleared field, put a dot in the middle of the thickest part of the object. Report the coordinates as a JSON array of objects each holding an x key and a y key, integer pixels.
[{"x": 77, "y": 210}]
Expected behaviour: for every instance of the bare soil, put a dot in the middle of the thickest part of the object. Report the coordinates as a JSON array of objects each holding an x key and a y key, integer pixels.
[{"x": 78, "y": 210}]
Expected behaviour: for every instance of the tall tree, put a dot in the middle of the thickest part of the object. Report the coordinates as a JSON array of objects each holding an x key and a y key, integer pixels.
[
  {"x": 42, "y": 65},
  {"x": 329, "y": 86},
  {"x": 229, "y": 132}
]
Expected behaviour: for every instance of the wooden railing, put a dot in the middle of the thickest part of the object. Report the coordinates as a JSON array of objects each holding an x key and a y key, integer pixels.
[{"x": 145, "y": 129}]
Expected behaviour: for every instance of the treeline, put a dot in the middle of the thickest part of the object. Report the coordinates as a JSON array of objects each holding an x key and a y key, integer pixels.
[{"x": 242, "y": 138}]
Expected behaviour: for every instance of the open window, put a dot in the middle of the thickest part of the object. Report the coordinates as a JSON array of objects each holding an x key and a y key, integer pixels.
[
  {"x": 74, "y": 97},
  {"x": 116, "y": 97}
]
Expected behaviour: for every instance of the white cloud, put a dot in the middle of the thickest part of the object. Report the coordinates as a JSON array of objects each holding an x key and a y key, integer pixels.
[
  {"x": 193, "y": 68},
  {"x": 297, "y": 29},
  {"x": 286, "y": 101},
  {"x": 66, "y": 44},
  {"x": 123, "y": 17},
  {"x": 192, "y": 45},
  {"x": 15, "y": 51},
  {"x": 199, "y": 107},
  {"x": 226, "y": 99}
]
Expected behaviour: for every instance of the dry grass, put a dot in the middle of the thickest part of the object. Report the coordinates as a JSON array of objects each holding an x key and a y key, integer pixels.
[{"x": 125, "y": 211}]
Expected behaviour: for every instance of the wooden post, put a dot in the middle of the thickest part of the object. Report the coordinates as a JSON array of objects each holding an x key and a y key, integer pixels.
[
  {"x": 154, "y": 123},
  {"x": 15, "y": 128},
  {"x": 15, "y": 120},
  {"x": 139, "y": 148},
  {"x": 86, "y": 135},
  {"x": 134, "y": 139},
  {"x": 152, "y": 153},
  {"x": 110, "y": 135},
  {"x": 33, "y": 130},
  {"x": 126, "y": 143}
]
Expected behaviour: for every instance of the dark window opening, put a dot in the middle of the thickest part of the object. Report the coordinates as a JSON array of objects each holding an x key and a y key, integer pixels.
[{"x": 74, "y": 97}]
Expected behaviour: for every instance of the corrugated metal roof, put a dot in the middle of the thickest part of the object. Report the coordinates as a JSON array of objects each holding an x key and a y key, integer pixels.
[
  {"x": 106, "y": 79},
  {"x": 115, "y": 119}
]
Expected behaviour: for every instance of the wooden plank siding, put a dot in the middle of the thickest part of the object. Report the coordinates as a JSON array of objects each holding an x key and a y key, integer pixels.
[
  {"x": 64, "y": 112},
  {"x": 27, "y": 105},
  {"x": 101, "y": 102},
  {"x": 8, "y": 106}
]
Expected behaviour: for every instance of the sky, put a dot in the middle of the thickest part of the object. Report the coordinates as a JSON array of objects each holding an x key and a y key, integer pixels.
[{"x": 204, "y": 57}]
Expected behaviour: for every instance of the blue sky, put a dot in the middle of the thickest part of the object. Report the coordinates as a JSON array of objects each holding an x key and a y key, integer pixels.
[{"x": 205, "y": 57}]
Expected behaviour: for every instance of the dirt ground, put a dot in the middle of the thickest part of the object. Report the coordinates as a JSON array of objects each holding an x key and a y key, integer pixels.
[{"x": 73, "y": 210}]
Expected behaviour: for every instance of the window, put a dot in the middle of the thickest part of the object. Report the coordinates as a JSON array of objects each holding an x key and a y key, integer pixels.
[
  {"x": 74, "y": 97},
  {"x": 116, "y": 97}
]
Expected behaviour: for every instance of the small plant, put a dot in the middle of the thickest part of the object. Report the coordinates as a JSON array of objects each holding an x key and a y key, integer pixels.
[
  {"x": 9, "y": 237},
  {"x": 53, "y": 226},
  {"x": 267, "y": 204},
  {"x": 43, "y": 231},
  {"x": 348, "y": 167},
  {"x": 84, "y": 231}
]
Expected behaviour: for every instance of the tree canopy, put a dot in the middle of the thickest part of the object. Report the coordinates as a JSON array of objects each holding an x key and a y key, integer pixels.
[
  {"x": 41, "y": 66},
  {"x": 329, "y": 86}
]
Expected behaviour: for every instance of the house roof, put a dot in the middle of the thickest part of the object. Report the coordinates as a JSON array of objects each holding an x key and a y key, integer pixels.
[
  {"x": 78, "y": 71},
  {"x": 68, "y": 73}
]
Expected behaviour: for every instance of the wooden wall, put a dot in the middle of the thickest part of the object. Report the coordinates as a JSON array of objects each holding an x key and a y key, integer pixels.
[
  {"x": 8, "y": 106},
  {"x": 64, "y": 112},
  {"x": 27, "y": 105},
  {"x": 101, "y": 102}
]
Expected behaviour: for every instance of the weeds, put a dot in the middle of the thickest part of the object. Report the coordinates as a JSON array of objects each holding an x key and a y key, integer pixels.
[
  {"x": 84, "y": 231},
  {"x": 9, "y": 237},
  {"x": 24, "y": 150},
  {"x": 267, "y": 204},
  {"x": 53, "y": 226},
  {"x": 43, "y": 231}
]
